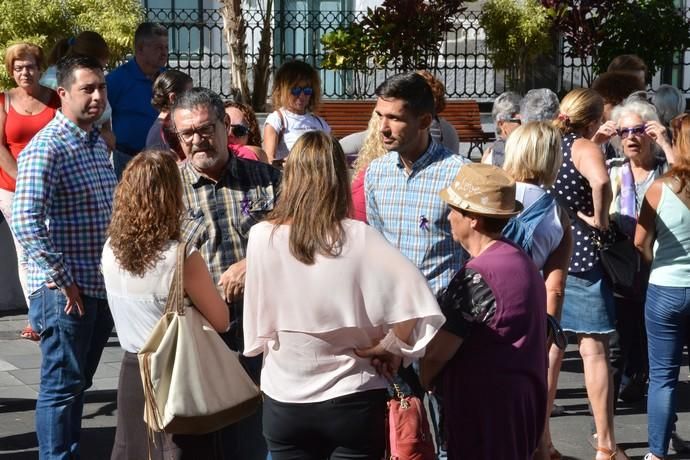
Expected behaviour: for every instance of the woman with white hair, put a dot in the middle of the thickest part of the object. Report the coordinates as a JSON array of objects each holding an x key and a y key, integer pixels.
[
  {"x": 506, "y": 115},
  {"x": 631, "y": 175}
]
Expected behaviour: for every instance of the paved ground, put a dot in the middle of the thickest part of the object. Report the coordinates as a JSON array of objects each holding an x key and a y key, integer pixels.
[{"x": 19, "y": 362}]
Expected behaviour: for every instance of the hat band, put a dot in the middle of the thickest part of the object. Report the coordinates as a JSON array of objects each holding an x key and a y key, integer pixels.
[{"x": 471, "y": 206}]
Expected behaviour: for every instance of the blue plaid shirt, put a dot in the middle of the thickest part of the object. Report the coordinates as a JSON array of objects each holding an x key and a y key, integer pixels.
[
  {"x": 62, "y": 206},
  {"x": 406, "y": 209}
]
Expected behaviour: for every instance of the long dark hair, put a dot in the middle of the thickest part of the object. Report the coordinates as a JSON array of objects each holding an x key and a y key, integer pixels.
[{"x": 315, "y": 197}]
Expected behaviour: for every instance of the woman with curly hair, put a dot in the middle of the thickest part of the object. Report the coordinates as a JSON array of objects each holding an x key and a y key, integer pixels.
[
  {"x": 372, "y": 148},
  {"x": 244, "y": 137},
  {"x": 138, "y": 265}
]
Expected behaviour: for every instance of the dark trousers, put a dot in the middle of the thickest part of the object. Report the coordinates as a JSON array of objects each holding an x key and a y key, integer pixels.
[
  {"x": 348, "y": 427},
  {"x": 629, "y": 349}
]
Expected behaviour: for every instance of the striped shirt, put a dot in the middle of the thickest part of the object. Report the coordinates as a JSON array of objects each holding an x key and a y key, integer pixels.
[
  {"x": 220, "y": 214},
  {"x": 62, "y": 206},
  {"x": 406, "y": 209}
]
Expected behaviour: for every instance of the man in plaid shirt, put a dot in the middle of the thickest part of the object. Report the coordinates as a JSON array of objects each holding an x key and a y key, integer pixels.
[
  {"x": 61, "y": 213},
  {"x": 225, "y": 196}
]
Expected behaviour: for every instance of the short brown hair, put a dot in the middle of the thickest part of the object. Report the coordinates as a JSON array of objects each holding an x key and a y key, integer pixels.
[
  {"x": 315, "y": 197},
  {"x": 615, "y": 86},
  {"x": 627, "y": 63},
  {"x": 437, "y": 88},
  {"x": 22, "y": 51},
  {"x": 289, "y": 75},
  {"x": 87, "y": 43},
  {"x": 147, "y": 210}
]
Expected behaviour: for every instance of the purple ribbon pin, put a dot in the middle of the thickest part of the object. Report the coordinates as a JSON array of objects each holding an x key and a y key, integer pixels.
[
  {"x": 245, "y": 206},
  {"x": 423, "y": 222}
]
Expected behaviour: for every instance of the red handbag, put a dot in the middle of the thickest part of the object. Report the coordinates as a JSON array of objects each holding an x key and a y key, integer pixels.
[{"x": 409, "y": 437}]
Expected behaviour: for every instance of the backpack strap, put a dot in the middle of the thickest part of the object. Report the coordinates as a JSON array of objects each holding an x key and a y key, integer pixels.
[{"x": 283, "y": 126}]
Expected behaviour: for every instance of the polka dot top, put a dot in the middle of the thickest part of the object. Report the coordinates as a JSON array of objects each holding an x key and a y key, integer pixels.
[{"x": 573, "y": 193}]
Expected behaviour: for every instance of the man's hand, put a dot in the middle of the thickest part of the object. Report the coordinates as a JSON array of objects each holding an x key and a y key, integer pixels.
[
  {"x": 385, "y": 362},
  {"x": 232, "y": 281},
  {"x": 73, "y": 298}
]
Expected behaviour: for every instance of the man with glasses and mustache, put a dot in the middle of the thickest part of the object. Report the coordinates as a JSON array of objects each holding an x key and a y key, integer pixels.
[{"x": 225, "y": 196}]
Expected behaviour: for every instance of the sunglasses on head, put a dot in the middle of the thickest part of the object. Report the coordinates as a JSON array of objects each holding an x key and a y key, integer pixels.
[
  {"x": 239, "y": 130},
  {"x": 297, "y": 90},
  {"x": 636, "y": 130}
]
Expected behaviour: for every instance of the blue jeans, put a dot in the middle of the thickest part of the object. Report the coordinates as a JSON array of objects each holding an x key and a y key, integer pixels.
[
  {"x": 666, "y": 314},
  {"x": 71, "y": 347}
]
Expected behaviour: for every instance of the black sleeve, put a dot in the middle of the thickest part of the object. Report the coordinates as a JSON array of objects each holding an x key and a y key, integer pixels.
[{"x": 468, "y": 300}]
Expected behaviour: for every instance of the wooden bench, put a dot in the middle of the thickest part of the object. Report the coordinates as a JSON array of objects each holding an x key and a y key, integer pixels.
[{"x": 351, "y": 116}]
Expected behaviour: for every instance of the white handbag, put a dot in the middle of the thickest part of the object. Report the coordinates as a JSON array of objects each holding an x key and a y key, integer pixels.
[{"x": 193, "y": 383}]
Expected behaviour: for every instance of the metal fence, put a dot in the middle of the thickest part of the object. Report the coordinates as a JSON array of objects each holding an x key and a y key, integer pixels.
[{"x": 198, "y": 48}]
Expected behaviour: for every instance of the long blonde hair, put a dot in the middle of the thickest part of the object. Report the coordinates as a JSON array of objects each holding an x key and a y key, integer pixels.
[
  {"x": 315, "y": 197},
  {"x": 372, "y": 148}
]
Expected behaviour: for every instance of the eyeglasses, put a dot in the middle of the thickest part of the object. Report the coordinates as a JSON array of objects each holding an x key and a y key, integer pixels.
[
  {"x": 205, "y": 132},
  {"x": 514, "y": 120},
  {"x": 239, "y": 130},
  {"x": 636, "y": 130},
  {"x": 297, "y": 90}
]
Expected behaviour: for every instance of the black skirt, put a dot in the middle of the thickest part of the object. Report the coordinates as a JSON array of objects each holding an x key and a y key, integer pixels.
[{"x": 131, "y": 438}]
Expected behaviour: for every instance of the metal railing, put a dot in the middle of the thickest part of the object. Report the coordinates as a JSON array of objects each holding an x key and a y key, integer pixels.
[{"x": 198, "y": 48}]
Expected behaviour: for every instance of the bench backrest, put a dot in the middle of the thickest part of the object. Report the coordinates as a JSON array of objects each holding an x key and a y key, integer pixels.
[{"x": 347, "y": 117}]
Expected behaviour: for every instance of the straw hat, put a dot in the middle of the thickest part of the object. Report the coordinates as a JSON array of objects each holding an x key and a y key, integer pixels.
[{"x": 483, "y": 189}]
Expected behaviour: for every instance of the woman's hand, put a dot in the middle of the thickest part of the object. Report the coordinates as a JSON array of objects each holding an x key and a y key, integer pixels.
[
  {"x": 659, "y": 134},
  {"x": 593, "y": 221},
  {"x": 385, "y": 362},
  {"x": 604, "y": 133}
]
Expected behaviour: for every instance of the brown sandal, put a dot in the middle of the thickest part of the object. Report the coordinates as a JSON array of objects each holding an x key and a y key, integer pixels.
[
  {"x": 611, "y": 453},
  {"x": 29, "y": 334}
]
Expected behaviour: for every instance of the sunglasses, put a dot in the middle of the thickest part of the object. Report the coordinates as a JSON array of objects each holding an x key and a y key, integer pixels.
[
  {"x": 239, "y": 130},
  {"x": 636, "y": 130},
  {"x": 297, "y": 90},
  {"x": 514, "y": 120}
]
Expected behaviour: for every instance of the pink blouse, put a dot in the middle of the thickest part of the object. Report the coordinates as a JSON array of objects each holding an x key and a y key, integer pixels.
[{"x": 307, "y": 320}]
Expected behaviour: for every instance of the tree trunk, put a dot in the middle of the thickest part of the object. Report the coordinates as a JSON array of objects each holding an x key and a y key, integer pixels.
[
  {"x": 262, "y": 68},
  {"x": 234, "y": 32}
]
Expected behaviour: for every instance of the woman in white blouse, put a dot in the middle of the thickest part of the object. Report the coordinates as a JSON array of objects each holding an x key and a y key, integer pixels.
[
  {"x": 138, "y": 264},
  {"x": 318, "y": 287}
]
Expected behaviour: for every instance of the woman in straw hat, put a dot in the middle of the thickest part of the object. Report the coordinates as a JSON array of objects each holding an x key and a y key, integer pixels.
[{"x": 489, "y": 359}]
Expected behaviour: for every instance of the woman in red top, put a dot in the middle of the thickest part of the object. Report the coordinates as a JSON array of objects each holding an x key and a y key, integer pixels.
[{"x": 24, "y": 111}]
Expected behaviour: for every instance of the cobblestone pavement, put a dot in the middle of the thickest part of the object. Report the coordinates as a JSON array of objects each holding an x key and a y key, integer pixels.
[{"x": 20, "y": 359}]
